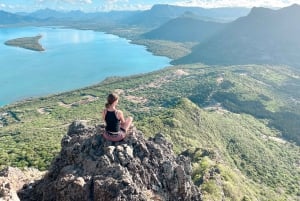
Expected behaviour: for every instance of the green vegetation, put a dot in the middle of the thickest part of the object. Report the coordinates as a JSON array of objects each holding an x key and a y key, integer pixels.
[
  {"x": 173, "y": 50},
  {"x": 31, "y": 43},
  {"x": 225, "y": 118},
  {"x": 239, "y": 124}
]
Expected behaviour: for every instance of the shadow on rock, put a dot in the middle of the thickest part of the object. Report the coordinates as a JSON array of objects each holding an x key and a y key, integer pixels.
[{"x": 135, "y": 169}]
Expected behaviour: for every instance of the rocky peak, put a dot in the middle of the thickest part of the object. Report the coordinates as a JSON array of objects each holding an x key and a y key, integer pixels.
[{"x": 92, "y": 168}]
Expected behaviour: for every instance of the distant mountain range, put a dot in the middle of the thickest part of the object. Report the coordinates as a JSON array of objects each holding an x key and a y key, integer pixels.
[
  {"x": 239, "y": 124},
  {"x": 80, "y": 16},
  {"x": 54, "y": 14},
  {"x": 152, "y": 18},
  {"x": 49, "y": 13},
  {"x": 49, "y": 16},
  {"x": 10, "y": 18},
  {"x": 185, "y": 28},
  {"x": 264, "y": 36},
  {"x": 160, "y": 14}
]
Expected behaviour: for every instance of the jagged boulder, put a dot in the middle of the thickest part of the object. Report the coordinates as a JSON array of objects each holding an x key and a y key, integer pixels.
[
  {"x": 135, "y": 169},
  {"x": 12, "y": 179}
]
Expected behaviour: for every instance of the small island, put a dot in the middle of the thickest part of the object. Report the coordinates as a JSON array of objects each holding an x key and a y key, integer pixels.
[{"x": 31, "y": 43}]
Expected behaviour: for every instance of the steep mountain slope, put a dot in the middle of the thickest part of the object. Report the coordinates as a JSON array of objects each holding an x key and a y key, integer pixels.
[
  {"x": 263, "y": 37},
  {"x": 220, "y": 140},
  {"x": 186, "y": 28},
  {"x": 161, "y": 13},
  {"x": 232, "y": 121}
]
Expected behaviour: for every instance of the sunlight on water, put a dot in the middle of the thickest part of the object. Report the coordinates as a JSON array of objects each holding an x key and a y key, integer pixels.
[{"x": 73, "y": 59}]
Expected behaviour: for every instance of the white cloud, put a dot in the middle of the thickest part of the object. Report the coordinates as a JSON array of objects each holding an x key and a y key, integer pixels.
[
  {"x": 67, "y": 1},
  {"x": 108, "y": 5},
  {"x": 12, "y": 7},
  {"x": 80, "y": 1},
  {"x": 146, "y": 4},
  {"x": 237, "y": 3}
]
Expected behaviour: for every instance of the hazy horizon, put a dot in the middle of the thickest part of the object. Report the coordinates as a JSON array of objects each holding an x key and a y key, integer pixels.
[{"x": 110, "y": 5}]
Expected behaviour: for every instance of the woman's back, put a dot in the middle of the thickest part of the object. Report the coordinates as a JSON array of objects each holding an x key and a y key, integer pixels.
[
  {"x": 112, "y": 121},
  {"x": 116, "y": 124}
]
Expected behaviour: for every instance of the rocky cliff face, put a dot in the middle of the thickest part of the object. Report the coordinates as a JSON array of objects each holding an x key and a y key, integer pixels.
[{"x": 91, "y": 168}]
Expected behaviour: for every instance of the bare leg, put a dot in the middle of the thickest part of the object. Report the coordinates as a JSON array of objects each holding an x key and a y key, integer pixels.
[{"x": 127, "y": 123}]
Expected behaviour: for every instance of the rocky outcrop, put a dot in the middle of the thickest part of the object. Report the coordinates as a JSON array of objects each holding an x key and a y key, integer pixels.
[
  {"x": 94, "y": 169},
  {"x": 13, "y": 179}
]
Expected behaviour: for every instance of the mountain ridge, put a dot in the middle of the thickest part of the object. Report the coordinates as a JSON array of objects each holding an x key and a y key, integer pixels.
[
  {"x": 155, "y": 16},
  {"x": 185, "y": 29},
  {"x": 162, "y": 13},
  {"x": 7, "y": 18},
  {"x": 263, "y": 36}
]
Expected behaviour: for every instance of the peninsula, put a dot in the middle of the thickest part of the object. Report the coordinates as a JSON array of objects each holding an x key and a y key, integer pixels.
[{"x": 31, "y": 43}]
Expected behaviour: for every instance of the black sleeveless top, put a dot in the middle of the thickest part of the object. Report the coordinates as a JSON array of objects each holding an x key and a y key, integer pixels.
[{"x": 112, "y": 122}]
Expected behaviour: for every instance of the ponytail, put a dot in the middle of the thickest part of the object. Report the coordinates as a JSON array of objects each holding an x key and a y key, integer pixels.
[{"x": 111, "y": 98}]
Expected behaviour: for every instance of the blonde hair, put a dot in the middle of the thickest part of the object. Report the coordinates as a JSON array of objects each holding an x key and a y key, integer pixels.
[{"x": 111, "y": 98}]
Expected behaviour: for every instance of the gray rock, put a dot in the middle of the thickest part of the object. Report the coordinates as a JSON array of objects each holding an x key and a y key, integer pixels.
[
  {"x": 93, "y": 169},
  {"x": 13, "y": 179}
]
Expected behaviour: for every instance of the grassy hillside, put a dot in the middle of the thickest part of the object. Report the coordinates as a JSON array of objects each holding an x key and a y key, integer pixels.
[
  {"x": 220, "y": 140},
  {"x": 228, "y": 119}
]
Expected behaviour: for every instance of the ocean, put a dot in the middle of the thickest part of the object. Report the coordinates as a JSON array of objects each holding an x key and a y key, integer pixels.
[{"x": 73, "y": 59}]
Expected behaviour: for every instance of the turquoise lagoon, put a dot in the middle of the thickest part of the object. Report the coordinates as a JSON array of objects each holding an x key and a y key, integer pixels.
[{"x": 73, "y": 59}]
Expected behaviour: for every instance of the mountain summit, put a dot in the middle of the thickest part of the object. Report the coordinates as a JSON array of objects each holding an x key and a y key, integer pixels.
[
  {"x": 264, "y": 36},
  {"x": 91, "y": 168}
]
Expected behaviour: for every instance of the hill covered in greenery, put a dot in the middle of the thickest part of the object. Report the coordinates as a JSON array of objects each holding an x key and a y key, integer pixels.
[
  {"x": 239, "y": 124},
  {"x": 207, "y": 112}
]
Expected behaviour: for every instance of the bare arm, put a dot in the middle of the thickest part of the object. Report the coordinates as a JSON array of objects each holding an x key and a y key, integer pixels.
[
  {"x": 103, "y": 115},
  {"x": 121, "y": 116}
]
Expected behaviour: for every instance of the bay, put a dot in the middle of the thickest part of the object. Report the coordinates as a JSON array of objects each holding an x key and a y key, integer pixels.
[{"x": 73, "y": 59}]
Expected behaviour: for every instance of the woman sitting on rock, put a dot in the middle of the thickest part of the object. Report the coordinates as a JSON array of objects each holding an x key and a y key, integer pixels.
[{"x": 116, "y": 124}]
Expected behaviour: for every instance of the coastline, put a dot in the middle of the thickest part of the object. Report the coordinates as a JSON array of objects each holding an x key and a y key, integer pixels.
[{"x": 108, "y": 78}]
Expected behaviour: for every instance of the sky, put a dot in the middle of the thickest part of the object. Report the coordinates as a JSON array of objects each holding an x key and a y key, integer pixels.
[{"x": 108, "y": 5}]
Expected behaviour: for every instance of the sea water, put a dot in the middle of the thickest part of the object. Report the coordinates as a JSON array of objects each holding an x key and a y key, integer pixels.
[{"x": 72, "y": 59}]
